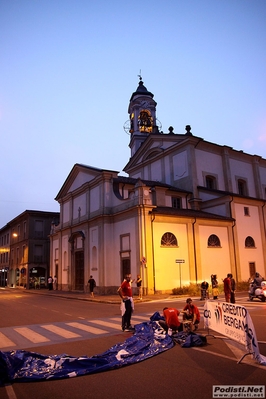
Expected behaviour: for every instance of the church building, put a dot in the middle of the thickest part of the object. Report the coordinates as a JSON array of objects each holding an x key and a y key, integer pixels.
[{"x": 187, "y": 209}]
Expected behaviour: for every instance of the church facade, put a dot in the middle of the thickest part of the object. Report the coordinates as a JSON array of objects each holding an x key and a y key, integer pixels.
[{"x": 187, "y": 209}]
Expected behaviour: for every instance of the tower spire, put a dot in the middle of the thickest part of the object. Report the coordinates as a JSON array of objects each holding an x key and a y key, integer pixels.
[{"x": 142, "y": 115}]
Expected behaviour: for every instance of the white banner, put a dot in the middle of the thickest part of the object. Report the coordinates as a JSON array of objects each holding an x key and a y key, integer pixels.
[{"x": 233, "y": 321}]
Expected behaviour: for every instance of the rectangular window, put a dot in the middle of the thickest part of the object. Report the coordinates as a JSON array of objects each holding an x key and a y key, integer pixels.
[
  {"x": 24, "y": 229},
  {"x": 38, "y": 228},
  {"x": 252, "y": 269},
  {"x": 125, "y": 242},
  {"x": 23, "y": 253},
  {"x": 38, "y": 253},
  {"x": 242, "y": 187},
  {"x": 17, "y": 256},
  {"x": 246, "y": 211},
  {"x": 176, "y": 202},
  {"x": 209, "y": 183}
]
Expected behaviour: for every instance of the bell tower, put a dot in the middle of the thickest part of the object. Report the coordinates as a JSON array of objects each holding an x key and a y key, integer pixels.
[{"x": 142, "y": 117}]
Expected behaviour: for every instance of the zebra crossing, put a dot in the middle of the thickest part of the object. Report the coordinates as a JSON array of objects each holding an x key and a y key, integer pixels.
[
  {"x": 19, "y": 337},
  {"x": 15, "y": 338}
]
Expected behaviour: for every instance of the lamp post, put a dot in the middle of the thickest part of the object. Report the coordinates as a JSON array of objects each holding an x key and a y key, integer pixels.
[{"x": 13, "y": 266}]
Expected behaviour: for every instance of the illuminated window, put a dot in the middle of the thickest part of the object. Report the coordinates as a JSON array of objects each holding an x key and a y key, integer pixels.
[
  {"x": 169, "y": 240},
  {"x": 145, "y": 121},
  {"x": 214, "y": 241}
]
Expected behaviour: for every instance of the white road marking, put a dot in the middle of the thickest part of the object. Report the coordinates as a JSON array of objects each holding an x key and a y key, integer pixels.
[
  {"x": 5, "y": 342},
  {"x": 134, "y": 318},
  {"x": 106, "y": 324},
  {"x": 89, "y": 329},
  {"x": 31, "y": 335},
  {"x": 253, "y": 364},
  {"x": 10, "y": 392},
  {"x": 60, "y": 331},
  {"x": 144, "y": 318}
]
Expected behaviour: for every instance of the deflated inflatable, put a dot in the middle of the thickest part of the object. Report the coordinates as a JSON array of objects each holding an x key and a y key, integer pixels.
[{"x": 149, "y": 340}]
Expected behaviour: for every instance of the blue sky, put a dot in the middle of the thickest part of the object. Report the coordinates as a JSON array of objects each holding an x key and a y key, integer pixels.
[{"x": 68, "y": 69}]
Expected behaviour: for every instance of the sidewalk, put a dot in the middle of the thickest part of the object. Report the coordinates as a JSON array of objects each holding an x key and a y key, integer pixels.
[{"x": 86, "y": 296}]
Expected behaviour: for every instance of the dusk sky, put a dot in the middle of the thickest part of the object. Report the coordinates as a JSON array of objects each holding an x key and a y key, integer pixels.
[{"x": 68, "y": 69}]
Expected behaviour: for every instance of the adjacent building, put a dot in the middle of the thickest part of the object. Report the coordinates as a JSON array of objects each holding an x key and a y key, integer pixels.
[
  {"x": 25, "y": 249},
  {"x": 188, "y": 208}
]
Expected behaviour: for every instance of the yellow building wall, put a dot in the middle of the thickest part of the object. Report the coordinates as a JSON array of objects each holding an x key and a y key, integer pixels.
[{"x": 168, "y": 273}]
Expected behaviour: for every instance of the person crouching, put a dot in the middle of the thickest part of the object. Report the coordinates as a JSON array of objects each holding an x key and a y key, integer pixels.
[
  {"x": 171, "y": 322},
  {"x": 191, "y": 315}
]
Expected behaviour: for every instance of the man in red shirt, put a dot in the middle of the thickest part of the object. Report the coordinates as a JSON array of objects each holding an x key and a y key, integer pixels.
[
  {"x": 191, "y": 313},
  {"x": 171, "y": 320},
  {"x": 227, "y": 288},
  {"x": 127, "y": 304}
]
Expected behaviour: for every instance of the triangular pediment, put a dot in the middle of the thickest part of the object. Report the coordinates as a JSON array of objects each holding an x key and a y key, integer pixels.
[
  {"x": 155, "y": 146},
  {"x": 78, "y": 176}
]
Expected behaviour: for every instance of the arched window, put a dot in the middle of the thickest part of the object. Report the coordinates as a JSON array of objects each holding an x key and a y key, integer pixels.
[
  {"x": 169, "y": 240},
  {"x": 145, "y": 121},
  {"x": 214, "y": 241},
  {"x": 249, "y": 242}
]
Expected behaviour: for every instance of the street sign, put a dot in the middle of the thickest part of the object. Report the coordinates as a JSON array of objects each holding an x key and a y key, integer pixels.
[{"x": 180, "y": 261}]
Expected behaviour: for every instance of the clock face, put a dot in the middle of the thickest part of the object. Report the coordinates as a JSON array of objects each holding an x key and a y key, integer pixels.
[{"x": 127, "y": 126}]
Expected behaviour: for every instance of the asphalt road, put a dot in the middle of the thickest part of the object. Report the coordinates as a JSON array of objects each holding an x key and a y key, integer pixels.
[{"x": 179, "y": 372}]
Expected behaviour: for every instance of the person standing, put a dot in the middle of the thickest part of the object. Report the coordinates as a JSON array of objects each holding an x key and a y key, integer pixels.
[
  {"x": 204, "y": 290},
  {"x": 139, "y": 285},
  {"x": 50, "y": 283},
  {"x": 55, "y": 283},
  {"x": 233, "y": 289},
  {"x": 227, "y": 288},
  {"x": 171, "y": 322},
  {"x": 92, "y": 285},
  {"x": 215, "y": 290},
  {"x": 127, "y": 304}
]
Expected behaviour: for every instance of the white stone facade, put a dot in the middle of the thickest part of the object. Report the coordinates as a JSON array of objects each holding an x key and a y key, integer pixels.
[{"x": 184, "y": 199}]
